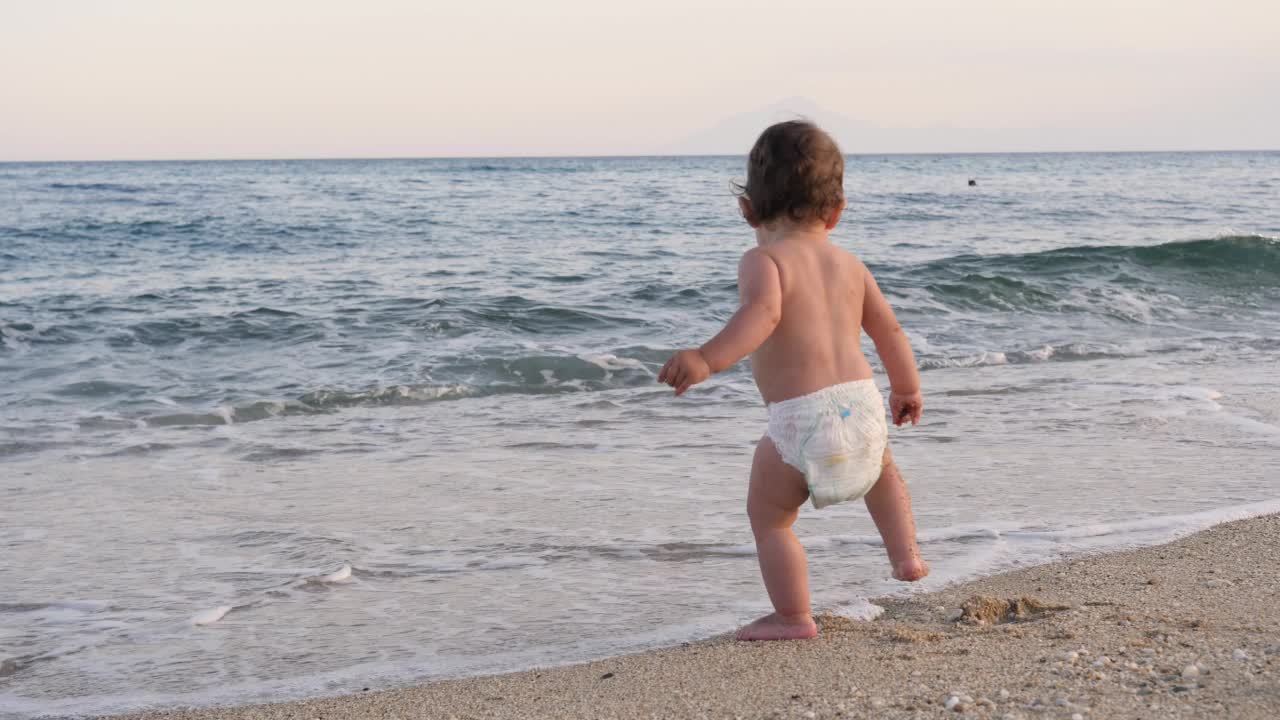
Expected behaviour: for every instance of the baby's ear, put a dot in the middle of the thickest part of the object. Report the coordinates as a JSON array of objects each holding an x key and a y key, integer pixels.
[
  {"x": 744, "y": 207},
  {"x": 833, "y": 217}
]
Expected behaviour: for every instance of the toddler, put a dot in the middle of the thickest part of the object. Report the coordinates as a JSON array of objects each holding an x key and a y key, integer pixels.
[{"x": 804, "y": 303}]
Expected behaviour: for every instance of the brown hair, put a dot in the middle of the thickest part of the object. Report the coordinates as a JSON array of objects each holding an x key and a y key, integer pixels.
[{"x": 794, "y": 169}]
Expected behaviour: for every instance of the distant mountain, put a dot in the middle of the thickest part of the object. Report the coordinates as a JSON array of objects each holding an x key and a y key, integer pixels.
[{"x": 734, "y": 135}]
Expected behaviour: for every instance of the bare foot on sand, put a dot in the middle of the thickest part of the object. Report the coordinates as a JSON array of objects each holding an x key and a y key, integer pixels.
[
  {"x": 775, "y": 627},
  {"x": 910, "y": 570}
]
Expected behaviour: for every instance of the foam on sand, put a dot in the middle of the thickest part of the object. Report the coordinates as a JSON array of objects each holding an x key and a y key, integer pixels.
[
  {"x": 1096, "y": 640},
  {"x": 860, "y": 609}
]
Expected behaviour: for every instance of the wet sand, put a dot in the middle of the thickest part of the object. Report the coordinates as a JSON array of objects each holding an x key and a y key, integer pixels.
[{"x": 1187, "y": 629}]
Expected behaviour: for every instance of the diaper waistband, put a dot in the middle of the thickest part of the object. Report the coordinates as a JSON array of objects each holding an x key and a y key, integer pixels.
[{"x": 833, "y": 394}]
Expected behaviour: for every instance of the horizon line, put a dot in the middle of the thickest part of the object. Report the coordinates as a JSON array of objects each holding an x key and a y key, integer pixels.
[{"x": 619, "y": 156}]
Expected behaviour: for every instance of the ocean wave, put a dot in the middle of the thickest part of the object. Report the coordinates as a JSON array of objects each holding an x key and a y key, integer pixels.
[
  {"x": 1046, "y": 353},
  {"x": 409, "y": 349},
  {"x": 99, "y": 186},
  {"x": 673, "y": 294},
  {"x": 1136, "y": 284},
  {"x": 171, "y": 323},
  {"x": 458, "y": 377},
  {"x": 531, "y": 375},
  {"x": 1256, "y": 256},
  {"x": 534, "y": 318},
  {"x": 1072, "y": 534},
  {"x": 1086, "y": 351}
]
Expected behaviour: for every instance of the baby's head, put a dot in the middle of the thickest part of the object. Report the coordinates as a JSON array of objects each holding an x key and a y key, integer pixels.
[{"x": 795, "y": 173}]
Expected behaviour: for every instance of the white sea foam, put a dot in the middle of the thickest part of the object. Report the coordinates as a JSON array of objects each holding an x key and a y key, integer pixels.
[
  {"x": 1145, "y": 531},
  {"x": 609, "y": 361},
  {"x": 859, "y": 609},
  {"x": 341, "y": 575},
  {"x": 211, "y": 616},
  {"x": 1042, "y": 354},
  {"x": 976, "y": 360},
  {"x": 510, "y": 563},
  {"x": 15, "y": 339}
]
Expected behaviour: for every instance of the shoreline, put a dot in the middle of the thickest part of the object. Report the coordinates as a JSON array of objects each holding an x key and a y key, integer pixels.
[{"x": 1189, "y": 628}]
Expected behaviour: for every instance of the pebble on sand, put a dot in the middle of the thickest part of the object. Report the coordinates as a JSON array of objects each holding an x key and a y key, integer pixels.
[{"x": 1190, "y": 671}]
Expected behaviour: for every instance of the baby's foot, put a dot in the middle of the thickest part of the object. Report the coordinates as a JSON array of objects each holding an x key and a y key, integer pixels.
[
  {"x": 774, "y": 627},
  {"x": 910, "y": 570}
]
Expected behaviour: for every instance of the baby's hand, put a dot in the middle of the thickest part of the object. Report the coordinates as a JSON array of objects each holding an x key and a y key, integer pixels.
[
  {"x": 685, "y": 369},
  {"x": 906, "y": 406}
]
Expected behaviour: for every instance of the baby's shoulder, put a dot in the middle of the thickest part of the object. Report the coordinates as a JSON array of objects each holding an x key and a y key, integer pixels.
[
  {"x": 849, "y": 262},
  {"x": 758, "y": 258}
]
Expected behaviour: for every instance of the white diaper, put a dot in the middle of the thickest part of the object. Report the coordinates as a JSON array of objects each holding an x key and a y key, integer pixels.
[{"x": 835, "y": 436}]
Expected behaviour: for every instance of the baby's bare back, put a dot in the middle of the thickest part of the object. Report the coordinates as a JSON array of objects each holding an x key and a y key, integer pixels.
[{"x": 817, "y": 343}]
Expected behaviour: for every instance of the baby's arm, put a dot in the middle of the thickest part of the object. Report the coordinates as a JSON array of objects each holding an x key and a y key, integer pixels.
[
  {"x": 760, "y": 291},
  {"x": 905, "y": 400}
]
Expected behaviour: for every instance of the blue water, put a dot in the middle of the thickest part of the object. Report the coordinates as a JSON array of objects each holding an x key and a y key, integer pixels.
[{"x": 221, "y": 381}]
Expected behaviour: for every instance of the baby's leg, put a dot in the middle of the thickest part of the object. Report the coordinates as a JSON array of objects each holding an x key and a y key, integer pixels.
[
  {"x": 776, "y": 494},
  {"x": 890, "y": 506}
]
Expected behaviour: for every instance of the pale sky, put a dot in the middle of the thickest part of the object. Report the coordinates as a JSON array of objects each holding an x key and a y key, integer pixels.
[{"x": 160, "y": 79}]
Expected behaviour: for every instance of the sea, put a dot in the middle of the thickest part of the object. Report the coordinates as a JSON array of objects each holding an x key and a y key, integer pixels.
[{"x": 282, "y": 429}]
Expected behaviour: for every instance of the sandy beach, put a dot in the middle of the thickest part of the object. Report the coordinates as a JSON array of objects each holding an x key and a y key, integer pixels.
[{"x": 1187, "y": 629}]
